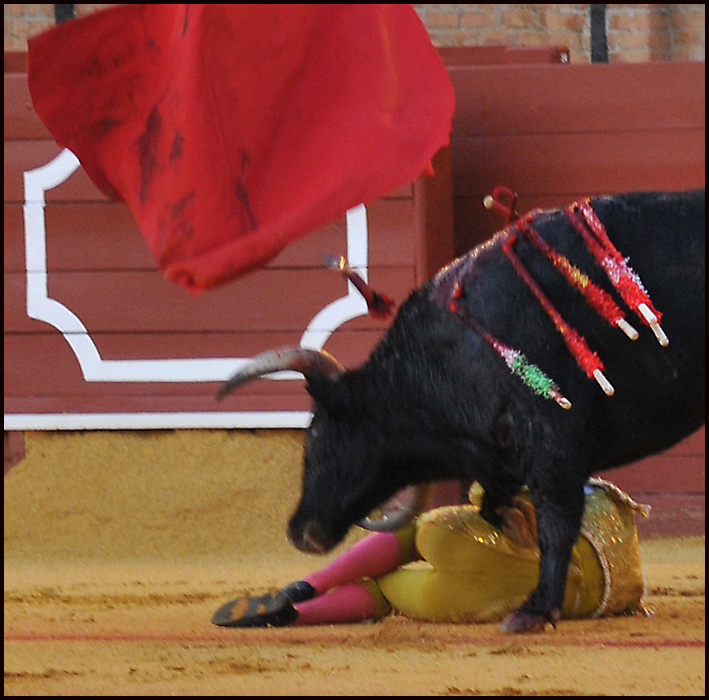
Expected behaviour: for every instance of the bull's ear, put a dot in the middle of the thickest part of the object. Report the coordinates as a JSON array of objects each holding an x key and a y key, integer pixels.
[{"x": 332, "y": 394}]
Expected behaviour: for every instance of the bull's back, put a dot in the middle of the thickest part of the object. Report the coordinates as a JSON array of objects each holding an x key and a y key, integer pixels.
[{"x": 659, "y": 391}]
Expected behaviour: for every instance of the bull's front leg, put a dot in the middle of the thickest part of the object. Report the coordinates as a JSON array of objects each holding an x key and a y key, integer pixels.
[{"x": 558, "y": 523}]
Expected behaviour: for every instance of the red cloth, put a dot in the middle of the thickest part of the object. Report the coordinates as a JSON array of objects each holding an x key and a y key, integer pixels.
[{"x": 230, "y": 130}]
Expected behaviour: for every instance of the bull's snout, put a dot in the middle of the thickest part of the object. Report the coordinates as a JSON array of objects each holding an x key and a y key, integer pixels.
[{"x": 310, "y": 538}]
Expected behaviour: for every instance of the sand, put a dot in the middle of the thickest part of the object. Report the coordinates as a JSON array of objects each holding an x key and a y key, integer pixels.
[{"x": 120, "y": 545}]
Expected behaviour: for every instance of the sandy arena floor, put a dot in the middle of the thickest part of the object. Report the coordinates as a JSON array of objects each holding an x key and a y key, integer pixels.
[{"x": 119, "y": 547}]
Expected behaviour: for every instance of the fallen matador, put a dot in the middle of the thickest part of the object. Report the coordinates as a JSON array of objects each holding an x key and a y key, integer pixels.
[{"x": 452, "y": 565}]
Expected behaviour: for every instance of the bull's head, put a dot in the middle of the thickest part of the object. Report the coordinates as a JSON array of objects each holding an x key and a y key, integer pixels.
[{"x": 335, "y": 495}]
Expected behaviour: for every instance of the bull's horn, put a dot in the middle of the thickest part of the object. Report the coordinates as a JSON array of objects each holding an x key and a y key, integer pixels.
[
  {"x": 310, "y": 363},
  {"x": 399, "y": 510}
]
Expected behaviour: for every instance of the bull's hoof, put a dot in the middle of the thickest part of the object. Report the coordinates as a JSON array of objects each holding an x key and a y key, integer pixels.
[{"x": 521, "y": 622}]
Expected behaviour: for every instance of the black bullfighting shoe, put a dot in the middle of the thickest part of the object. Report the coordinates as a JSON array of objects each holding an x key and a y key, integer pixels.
[
  {"x": 273, "y": 609},
  {"x": 299, "y": 592}
]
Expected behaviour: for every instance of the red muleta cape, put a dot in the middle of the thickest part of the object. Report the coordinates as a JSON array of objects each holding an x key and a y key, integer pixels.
[{"x": 230, "y": 130}]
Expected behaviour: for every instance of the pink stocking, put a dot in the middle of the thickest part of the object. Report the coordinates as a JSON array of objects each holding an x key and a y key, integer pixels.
[
  {"x": 352, "y": 602},
  {"x": 372, "y": 556}
]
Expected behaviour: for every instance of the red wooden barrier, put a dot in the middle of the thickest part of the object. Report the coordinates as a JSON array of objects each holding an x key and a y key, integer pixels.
[
  {"x": 106, "y": 306},
  {"x": 549, "y": 131},
  {"x": 554, "y": 133}
]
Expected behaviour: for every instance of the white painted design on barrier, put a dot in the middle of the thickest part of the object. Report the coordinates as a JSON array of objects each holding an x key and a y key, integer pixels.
[{"x": 42, "y": 307}]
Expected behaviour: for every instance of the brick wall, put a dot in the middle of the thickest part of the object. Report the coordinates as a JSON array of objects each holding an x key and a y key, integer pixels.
[
  {"x": 655, "y": 32},
  {"x": 639, "y": 32},
  {"x": 24, "y": 21},
  {"x": 647, "y": 32}
]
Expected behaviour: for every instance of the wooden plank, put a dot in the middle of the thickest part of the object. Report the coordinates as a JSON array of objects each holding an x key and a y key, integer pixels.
[
  {"x": 15, "y": 62},
  {"x": 13, "y": 239},
  {"x": 391, "y": 225},
  {"x": 30, "y": 373},
  {"x": 608, "y": 162},
  {"x": 543, "y": 99},
  {"x": 556, "y": 170},
  {"x": 661, "y": 473},
  {"x": 349, "y": 344},
  {"x": 174, "y": 403},
  {"x": 664, "y": 473},
  {"x": 456, "y": 56},
  {"x": 103, "y": 236},
  {"x": 556, "y": 133},
  {"x": 672, "y": 515},
  {"x": 269, "y": 300},
  {"x": 21, "y": 156},
  {"x": 93, "y": 235},
  {"x": 21, "y": 121},
  {"x": 434, "y": 218},
  {"x": 34, "y": 385}
]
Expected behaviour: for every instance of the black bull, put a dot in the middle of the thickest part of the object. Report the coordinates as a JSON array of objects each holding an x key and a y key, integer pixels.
[{"x": 436, "y": 401}]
